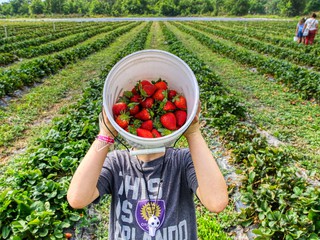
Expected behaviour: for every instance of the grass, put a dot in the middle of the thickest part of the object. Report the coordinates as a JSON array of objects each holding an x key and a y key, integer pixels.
[
  {"x": 271, "y": 106},
  {"x": 24, "y": 116}
]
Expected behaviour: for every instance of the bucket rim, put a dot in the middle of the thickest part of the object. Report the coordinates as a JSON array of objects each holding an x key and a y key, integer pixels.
[{"x": 151, "y": 141}]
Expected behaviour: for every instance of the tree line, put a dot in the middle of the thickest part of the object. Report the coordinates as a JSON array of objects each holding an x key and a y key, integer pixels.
[{"x": 159, "y": 7}]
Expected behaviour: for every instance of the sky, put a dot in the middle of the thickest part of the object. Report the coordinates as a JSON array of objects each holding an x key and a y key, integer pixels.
[{"x": 2, "y": 1}]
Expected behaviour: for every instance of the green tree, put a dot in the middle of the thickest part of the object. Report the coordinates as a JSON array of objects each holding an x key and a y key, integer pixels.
[
  {"x": 238, "y": 8},
  {"x": 271, "y": 7},
  {"x": 36, "y": 7},
  {"x": 217, "y": 6},
  {"x": 56, "y": 6},
  {"x": 6, "y": 9},
  {"x": 167, "y": 8},
  {"x": 19, "y": 7},
  {"x": 133, "y": 7},
  {"x": 291, "y": 7},
  {"x": 312, "y": 6},
  {"x": 257, "y": 6},
  {"x": 99, "y": 7}
]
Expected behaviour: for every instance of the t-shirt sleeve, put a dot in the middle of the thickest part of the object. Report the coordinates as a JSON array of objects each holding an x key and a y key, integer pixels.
[
  {"x": 105, "y": 179},
  {"x": 190, "y": 172}
]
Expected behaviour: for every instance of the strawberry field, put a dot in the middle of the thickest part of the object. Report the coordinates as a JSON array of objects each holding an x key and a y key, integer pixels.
[{"x": 259, "y": 92}]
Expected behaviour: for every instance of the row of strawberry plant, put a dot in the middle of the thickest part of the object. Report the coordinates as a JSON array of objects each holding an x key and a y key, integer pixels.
[
  {"x": 48, "y": 29},
  {"x": 18, "y": 27},
  {"x": 279, "y": 41},
  {"x": 273, "y": 193},
  {"x": 33, "y": 194},
  {"x": 67, "y": 42},
  {"x": 6, "y": 48},
  {"x": 266, "y": 27},
  {"x": 299, "y": 79},
  {"x": 265, "y": 48},
  {"x": 35, "y": 70}
]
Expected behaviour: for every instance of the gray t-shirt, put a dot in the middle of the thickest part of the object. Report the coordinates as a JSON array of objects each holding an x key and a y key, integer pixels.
[{"x": 172, "y": 203}]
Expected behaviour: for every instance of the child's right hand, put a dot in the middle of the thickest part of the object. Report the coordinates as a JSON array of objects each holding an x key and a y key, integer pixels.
[{"x": 106, "y": 128}]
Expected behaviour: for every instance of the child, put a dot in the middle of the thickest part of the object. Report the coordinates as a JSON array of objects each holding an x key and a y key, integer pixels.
[
  {"x": 299, "y": 32},
  {"x": 152, "y": 195}
]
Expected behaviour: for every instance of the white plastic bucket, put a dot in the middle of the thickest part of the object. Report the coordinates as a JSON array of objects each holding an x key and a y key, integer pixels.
[{"x": 151, "y": 65}]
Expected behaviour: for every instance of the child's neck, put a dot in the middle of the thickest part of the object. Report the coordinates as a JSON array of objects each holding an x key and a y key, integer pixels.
[{"x": 149, "y": 157}]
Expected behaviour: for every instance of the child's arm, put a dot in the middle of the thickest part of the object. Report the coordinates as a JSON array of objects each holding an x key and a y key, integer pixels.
[
  {"x": 212, "y": 190},
  {"x": 83, "y": 187}
]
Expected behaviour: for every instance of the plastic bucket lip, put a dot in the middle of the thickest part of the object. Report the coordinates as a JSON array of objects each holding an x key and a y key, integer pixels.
[{"x": 150, "y": 142}]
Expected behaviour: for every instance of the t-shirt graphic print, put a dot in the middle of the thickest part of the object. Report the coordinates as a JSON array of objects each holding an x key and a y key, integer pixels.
[{"x": 146, "y": 209}]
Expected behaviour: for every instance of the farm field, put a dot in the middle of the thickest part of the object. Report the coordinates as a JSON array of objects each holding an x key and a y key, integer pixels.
[{"x": 260, "y": 95}]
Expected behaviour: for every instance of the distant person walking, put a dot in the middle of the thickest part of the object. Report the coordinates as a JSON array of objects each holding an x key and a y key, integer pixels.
[
  {"x": 311, "y": 25},
  {"x": 299, "y": 32}
]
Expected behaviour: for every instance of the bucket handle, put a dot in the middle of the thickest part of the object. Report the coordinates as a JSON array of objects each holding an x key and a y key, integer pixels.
[{"x": 147, "y": 151}]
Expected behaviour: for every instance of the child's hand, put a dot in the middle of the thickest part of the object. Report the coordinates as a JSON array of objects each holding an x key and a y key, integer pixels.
[
  {"x": 195, "y": 125},
  {"x": 105, "y": 126}
]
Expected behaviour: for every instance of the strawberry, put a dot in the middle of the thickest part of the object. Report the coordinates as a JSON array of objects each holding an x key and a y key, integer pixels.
[
  {"x": 146, "y": 88},
  {"x": 148, "y": 125},
  {"x": 161, "y": 84},
  {"x": 144, "y": 114},
  {"x": 180, "y": 102},
  {"x": 144, "y": 83},
  {"x": 168, "y": 120},
  {"x": 135, "y": 98},
  {"x": 134, "y": 90},
  {"x": 68, "y": 235},
  {"x": 123, "y": 120},
  {"x": 169, "y": 106},
  {"x": 144, "y": 133},
  {"x": 147, "y": 103},
  {"x": 172, "y": 94},
  {"x": 160, "y": 94},
  {"x": 155, "y": 133},
  {"x": 133, "y": 108},
  {"x": 181, "y": 117},
  {"x": 119, "y": 108}
]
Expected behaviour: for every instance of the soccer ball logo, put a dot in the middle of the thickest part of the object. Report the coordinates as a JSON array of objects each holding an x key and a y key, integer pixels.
[{"x": 153, "y": 224}]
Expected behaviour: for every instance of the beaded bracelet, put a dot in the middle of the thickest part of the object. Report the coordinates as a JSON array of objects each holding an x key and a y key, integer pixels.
[{"x": 104, "y": 141}]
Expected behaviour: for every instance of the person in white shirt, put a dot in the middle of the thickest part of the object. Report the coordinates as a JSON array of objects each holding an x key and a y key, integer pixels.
[{"x": 312, "y": 25}]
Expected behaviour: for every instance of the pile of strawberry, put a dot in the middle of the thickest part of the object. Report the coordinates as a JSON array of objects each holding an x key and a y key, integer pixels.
[{"x": 150, "y": 109}]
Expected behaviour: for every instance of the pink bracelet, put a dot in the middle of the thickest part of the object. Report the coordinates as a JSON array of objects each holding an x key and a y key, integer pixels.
[{"x": 106, "y": 139}]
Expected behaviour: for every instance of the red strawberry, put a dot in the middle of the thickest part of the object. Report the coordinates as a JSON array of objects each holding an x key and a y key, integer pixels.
[
  {"x": 181, "y": 117},
  {"x": 134, "y": 90},
  {"x": 155, "y": 133},
  {"x": 144, "y": 133},
  {"x": 168, "y": 120},
  {"x": 135, "y": 98},
  {"x": 123, "y": 120},
  {"x": 133, "y": 108},
  {"x": 147, "y": 103},
  {"x": 180, "y": 102},
  {"x": 172, "y": 94},
  {"x": 160, "y": 94},
  {"x": 148, "y": 125},
  {"x": 144, "y": 115},
  {"x": 118, "y": 108},
  {"x": 145, "y": 82},
  {"x": 146, "y": 88},
  {"x": 161, "y": 84},
  {"x": 169, "y": 106}
]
